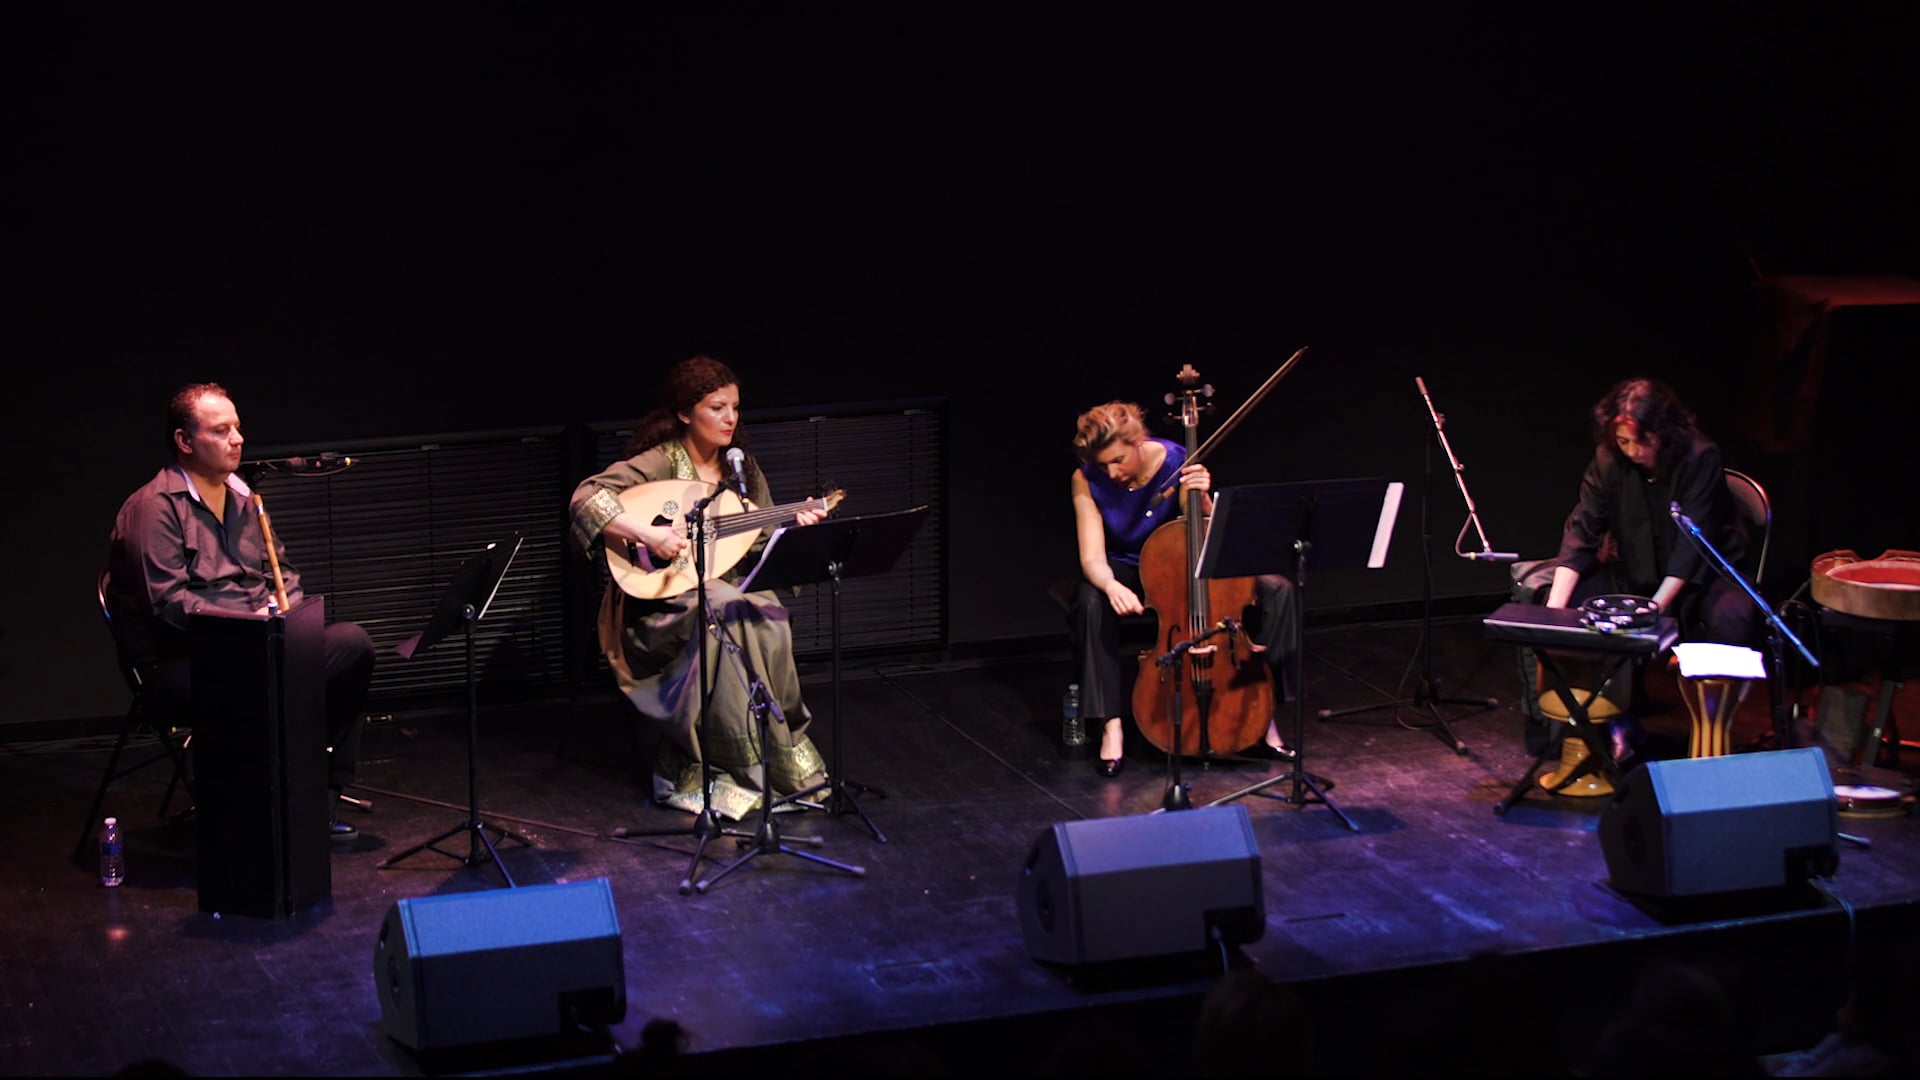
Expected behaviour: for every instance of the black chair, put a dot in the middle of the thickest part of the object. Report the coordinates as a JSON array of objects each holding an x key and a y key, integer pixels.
[
  {"x": 173, "y": 738},
  {"x": 1758, "y": 509}
]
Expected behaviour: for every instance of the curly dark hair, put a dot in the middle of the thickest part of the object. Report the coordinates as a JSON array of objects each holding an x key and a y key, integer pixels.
[
  {"x": 1652, "y": 407},
  {"x": 686, "y": 384},
  {"x": 180, "y": 408}
]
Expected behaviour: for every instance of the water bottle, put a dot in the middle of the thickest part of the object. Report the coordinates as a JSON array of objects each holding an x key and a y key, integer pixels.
[
  {"x": 113, "y": 857},
  {"x": 1073, "y": 730}
]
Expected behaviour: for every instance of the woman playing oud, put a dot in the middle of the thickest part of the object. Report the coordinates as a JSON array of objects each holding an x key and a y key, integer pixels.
[
  {"x": 1121, "y": 468},
  {"x": 649, "y": 642}
]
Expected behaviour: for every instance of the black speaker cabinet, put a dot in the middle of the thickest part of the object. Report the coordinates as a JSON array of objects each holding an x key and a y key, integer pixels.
[
  {"x": 1133, "y": 887},
  {"x": 1699, "y": 826},
  {"x": 518, "y": 963},
  {"x": 260, "y": 761}
]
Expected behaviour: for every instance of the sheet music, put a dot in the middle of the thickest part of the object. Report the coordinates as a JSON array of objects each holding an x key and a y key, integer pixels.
[
  {"x": 495, "y": 591},
  {"x": 766, "y": 555},
  {"x": 1389, "y": 511},
  {"x": 1712, "y": 660}
]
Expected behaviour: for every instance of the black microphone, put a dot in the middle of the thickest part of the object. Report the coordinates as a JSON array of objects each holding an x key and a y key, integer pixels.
[
  {"x": 321, "y": 465},
  {"x": 1494, "y": 556},
  {"x": 737, "y": 465},
  {"x": 326, "y": 462}
]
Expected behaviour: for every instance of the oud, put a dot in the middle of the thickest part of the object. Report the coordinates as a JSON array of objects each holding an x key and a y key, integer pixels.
[{"x": 732, "y": 527}]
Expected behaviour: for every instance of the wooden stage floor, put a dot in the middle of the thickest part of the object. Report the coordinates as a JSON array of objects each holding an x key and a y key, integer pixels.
[{"x": 1434, "y": 913}]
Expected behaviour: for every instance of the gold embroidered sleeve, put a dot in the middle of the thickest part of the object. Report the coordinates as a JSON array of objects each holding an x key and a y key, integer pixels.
[{"x": 592, "y": 516}]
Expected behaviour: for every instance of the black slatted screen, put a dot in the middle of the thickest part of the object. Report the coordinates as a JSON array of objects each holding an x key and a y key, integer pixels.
[
  {"x": 885, "y": 459},
  {"x": 382, "y": 540}
]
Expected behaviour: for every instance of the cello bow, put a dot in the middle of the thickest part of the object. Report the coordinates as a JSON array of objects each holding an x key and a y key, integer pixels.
[{"x": 1220, "y": 433}]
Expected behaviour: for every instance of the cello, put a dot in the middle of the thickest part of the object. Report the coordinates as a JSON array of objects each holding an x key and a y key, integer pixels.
[{"x": 1226, "y": 706}]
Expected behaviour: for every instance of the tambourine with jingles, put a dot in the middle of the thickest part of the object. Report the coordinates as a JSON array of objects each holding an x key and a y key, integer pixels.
[{"x": 1612, "y": 613}]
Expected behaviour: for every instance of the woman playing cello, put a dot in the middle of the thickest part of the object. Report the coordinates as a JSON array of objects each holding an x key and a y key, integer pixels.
[{"x": 1121, "y": 469}]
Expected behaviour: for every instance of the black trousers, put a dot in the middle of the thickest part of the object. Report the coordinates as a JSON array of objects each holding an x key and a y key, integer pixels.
[
  {"x": 349, "y": 671},
  {"x": 1095, "y": 632}
]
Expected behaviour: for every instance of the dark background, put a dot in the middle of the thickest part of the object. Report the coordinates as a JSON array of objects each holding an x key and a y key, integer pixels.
[{"x": 375, "y": 221}]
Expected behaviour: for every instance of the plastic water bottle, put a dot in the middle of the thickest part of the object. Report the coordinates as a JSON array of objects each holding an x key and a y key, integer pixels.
[
  {"x": 1073, "y": 730},
  {"x": 113, "y": 856}
]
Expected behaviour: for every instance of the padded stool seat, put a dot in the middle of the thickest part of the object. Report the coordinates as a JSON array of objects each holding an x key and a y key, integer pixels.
[{"x": 1581, "y": 674}]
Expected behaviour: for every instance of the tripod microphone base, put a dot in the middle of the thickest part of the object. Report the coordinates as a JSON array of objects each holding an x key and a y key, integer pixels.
[
  {"x": 1436, "y": 723},
  {"x": 1177, "y": 797},
  {"x": 835, "y": 798},
  {"x": 477, "y": 838},
  {"x": 767, "y": 841},
  {"x": 1316, "y": 788}
]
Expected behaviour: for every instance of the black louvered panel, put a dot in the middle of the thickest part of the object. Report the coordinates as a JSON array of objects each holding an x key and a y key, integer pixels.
[
  {"x": 885, "y": 460},
  {"x": 383, "y": 540}
]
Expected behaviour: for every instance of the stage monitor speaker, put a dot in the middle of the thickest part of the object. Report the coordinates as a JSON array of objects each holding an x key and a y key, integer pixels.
[
  {"x": 1142, "y": 886},
  {"x": 517, "y": 963},
  {"x": 1701, "y": 826}
]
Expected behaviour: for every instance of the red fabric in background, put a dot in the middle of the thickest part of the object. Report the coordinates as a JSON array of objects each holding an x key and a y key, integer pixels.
[{"x": 1797, "y": 307}]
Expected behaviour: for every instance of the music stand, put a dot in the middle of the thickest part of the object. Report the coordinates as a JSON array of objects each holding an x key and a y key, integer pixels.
[
  {"x": 1345, "y": 525},
  {"x": 831, "y": 551},
  {"x": 465, "y": 602}
]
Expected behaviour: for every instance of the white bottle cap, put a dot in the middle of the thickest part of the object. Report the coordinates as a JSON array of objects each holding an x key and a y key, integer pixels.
[{"x": 113, "y": 820}]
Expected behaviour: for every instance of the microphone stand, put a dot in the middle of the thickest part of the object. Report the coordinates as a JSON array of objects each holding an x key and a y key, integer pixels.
[
  {"x": 767, "y": 839},
  {"x": 1778, "y": 635},
  {"x": 1427, "y": 693},
  {"x": 705, "y": 826},
  {"x": 327, "y": 463},
  {"x": 1177, "y": 795}
]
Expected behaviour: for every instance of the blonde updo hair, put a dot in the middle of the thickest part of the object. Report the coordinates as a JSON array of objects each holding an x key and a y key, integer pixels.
[{"x": 1103, "y": 425}]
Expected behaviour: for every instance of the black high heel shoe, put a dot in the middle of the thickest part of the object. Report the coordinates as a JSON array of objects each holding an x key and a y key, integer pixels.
[
  {"x": 1110, "y": 767},
  {"x": 1267, "y": 751}
]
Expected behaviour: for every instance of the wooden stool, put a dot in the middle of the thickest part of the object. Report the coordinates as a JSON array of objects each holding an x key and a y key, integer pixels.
[{"x": 1573, "y": 749}]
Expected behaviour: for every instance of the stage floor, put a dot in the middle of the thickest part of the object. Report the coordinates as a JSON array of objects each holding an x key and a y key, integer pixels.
[{"x": 924, "y": 952}]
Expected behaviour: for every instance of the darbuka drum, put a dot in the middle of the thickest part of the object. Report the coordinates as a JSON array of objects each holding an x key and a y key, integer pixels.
[
  {"x": 1601, "y": 709},
  {"x": 1573, "y": 751},
  {"x": 1713, "y": 701}
]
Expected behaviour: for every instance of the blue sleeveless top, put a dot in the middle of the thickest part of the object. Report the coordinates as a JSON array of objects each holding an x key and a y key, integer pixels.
[{"x": 1125, "y": 512}]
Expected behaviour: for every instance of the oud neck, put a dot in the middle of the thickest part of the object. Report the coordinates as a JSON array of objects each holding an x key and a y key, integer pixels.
[{"x": 760, "y": 519}]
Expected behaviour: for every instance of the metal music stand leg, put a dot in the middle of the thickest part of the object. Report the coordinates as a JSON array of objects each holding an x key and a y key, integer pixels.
[
  {"x": 838, "y": 798},
  {"x": 1427, "y": 696},
  {"x": 474, "y": 827},
  {"x": 1307, "y": 788}
]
